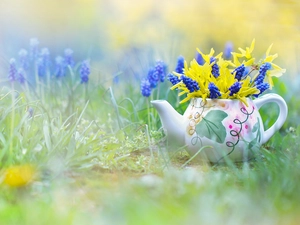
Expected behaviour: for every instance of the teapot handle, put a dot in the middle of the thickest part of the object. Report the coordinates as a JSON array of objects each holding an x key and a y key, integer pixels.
[{"x": 283, "y": 111}]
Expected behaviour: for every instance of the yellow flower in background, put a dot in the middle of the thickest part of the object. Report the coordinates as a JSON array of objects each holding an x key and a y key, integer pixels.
[
  {"x": 18, "y": 176},
  {"x": 275, "y": 70}
]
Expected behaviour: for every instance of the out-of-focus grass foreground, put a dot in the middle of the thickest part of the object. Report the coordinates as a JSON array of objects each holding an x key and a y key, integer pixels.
[{"x": 80, "y": 142}]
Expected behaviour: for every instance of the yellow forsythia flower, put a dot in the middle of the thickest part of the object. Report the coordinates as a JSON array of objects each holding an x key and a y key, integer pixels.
[{"x": 217, "y": 78}]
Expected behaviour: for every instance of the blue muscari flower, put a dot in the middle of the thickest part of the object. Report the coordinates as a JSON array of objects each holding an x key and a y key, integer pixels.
[
  {"x": 191, "y": 84},
  {"x": 227, "y": 50},
  {"x": 116, "y": 79},
  {"x": 214, "y": 91},
  {"x": 41, "y": 68},
  {"x": 85, "y": 71},
  {"x": 262, "y": 73},
  {"x": 261, "y": 87},
  {"x": 145, "y": 88},
  {"x": 152, "y": 77},
  {"x": 12, "y": 73},
  {"x": 234, "y": 88},
  {"x": 199, "y": 59},
  {"x": 69, "y": 57},
  {"x": 21, "y": 75},
  {"x": 30, "y": 111},
  {"x": 60, "y": 66},
  {"x": 180, "y": 65},
  {"x": 160, "y": 70},
  {"x": 43, "y": 62},
  {"x": 173, "y": 79},
  {"x": 34, "y": 45},
  {"x": 23, "y": 58},
  {"x": 259, "y": 79},
  {"x": 264, "y": 67},
  {"x": 239, "y": 72},
  {"x": 45, "y": 54},
  {"x": 215, "y": 70}
]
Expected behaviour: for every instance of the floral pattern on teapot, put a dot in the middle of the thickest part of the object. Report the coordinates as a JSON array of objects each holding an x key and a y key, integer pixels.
[
  {"x": 226, "y": 122},
  {"x": 217, "y": 130}
]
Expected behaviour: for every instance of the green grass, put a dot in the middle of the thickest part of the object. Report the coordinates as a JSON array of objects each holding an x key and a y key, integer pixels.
[{"x": 99, "y": 162}]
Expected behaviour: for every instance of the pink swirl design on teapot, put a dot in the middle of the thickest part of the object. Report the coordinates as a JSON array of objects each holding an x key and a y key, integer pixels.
[
  {"x": 226, "y": 124},
  {"x": 220, "y": 129}
]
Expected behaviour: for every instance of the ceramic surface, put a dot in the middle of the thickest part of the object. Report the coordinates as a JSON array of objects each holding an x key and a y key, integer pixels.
[{"x": 220, "y": 129}]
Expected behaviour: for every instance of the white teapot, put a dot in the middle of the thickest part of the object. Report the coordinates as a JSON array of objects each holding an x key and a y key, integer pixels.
[{"x": 220, "y": 129}]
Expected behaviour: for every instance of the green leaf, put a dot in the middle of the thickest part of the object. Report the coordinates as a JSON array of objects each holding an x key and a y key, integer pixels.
[
  {"x": 255, "y": 127},
  {"x": 254, "y": 145},
  {"x": 211, "y": 126}
]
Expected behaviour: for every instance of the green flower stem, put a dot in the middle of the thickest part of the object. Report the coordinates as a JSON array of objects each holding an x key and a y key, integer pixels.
[
  {"x": 254, "y": 78},
  {"x": 49, "y": 82},
  {"x": 85, "y": 94},
  {"x": 38, "y": 87},
  {"x": 177, "y": 99},
  {"x": 148, "y": 110},
  {"x": 150, "y": 146},
  {"x": 115, "y": 105},
  {"x": 12, "y": 122},
  {"x": 153, "y": 113},
  {"x": 157, "y": 94},
  {"x": 194, "y": 156}
]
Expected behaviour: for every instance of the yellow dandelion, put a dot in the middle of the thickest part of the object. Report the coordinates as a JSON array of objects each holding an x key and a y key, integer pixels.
[{"x": 17, "y": 176}]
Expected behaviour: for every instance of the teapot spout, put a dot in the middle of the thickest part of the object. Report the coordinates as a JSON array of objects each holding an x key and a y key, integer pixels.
[{"x": 172, "y": 123}]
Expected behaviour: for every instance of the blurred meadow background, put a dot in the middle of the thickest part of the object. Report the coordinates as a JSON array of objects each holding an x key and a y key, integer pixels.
[{"x": 82, "y": 145}]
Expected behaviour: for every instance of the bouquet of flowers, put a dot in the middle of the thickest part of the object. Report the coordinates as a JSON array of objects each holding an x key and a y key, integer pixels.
[{"x": 217, "y": 78}]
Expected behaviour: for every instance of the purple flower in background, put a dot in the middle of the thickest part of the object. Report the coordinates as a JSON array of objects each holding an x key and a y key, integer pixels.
[
  {"x": 34, "y": 48},
  {"x": 227, "y": 50},
  {"x": 30, "y": 111},
  {"x": 23, "y": 58},
  {"x": 43, "y": 62},
  {"x": 69, "y": 57},
  {"x": 21, "y": 75},
  {"x": 45, "y": 54},
  {"x": 180, "y": 65},
  {"x": 60, "y": 66},
  {"x": 85, "y": 71},
  {"x": 160, "y": 70},
  {"x": 152, "y": 77},
  {"x": 12, "y": 73},
  {"x": 41, "y": 68},
  {"x": 145, "y": 88},
  {"x": 116, "y": 79},
  {"x": 199, "y": 59}
]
